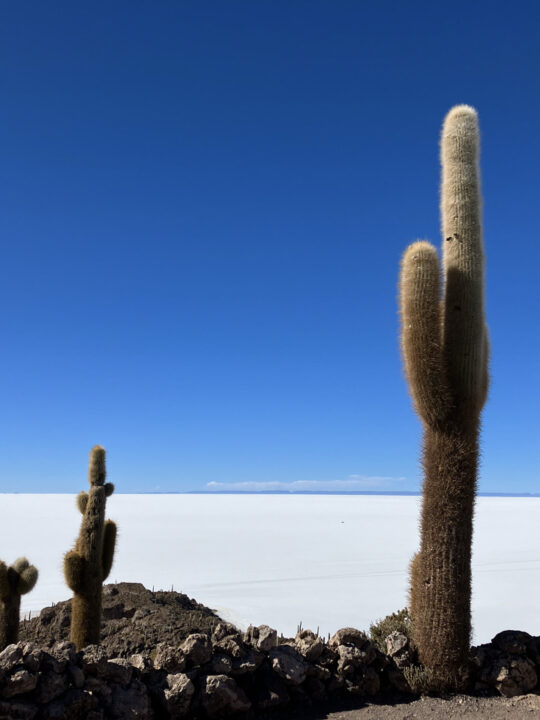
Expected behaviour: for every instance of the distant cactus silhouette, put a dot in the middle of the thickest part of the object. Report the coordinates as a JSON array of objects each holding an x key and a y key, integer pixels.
[
  {"x": 16, "y": 580},
  {"x": 445, "y": 349},
  {"x": 90, "y": 562}
]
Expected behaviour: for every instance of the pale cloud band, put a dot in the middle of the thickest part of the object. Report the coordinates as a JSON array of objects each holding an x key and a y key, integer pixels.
[{"x": 354, "y": 483}]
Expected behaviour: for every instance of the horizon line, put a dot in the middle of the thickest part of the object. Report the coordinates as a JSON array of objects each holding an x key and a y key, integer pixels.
[{"x": 396, "y": 493}]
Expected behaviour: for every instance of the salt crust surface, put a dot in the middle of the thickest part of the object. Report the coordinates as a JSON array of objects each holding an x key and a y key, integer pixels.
[{"x": 328, "y": 561}]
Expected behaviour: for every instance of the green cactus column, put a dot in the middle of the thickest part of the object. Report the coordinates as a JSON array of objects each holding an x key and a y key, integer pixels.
[
  {"x": 445, "y": 350},
  {"x": 16, "y": 580},
  {"x": 90, "y": 562}
]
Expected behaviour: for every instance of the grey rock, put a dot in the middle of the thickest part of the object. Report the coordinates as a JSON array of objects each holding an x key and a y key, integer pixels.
[
  {"x": 517, "y": 676},
  {"x": 141, "y": 663},
  {"x": 288, "y": 664},
  {"x": 221, "y": 694},
  {"x": 20, "y": 682},
  {"x": 178, "y": 694},
  {"x": 94, "y": 660},
  {"x": 232, "y": 646},
  {"x": 247, "y": 664},
  {"x": 32, "y": 657},
  {"x": 309, "y": 645},
  {"x": 11, "y": 656},
  {"x": 64, "y": 653},
  {"x": 223, "y": 630},
  {"x": 350, "y": 658},
  {"x": 349, "y": 636},
  {"x": 169, "y": 658},
  {"x": 261, "y": 637},
  {"x": 197, "y": 648},
  {"x": 396, "y": 642}
]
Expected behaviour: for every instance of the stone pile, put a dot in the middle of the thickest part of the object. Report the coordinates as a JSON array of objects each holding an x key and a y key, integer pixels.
[
  {"x": 234, "y": 673},
  {"x": 227, "y": 673}
]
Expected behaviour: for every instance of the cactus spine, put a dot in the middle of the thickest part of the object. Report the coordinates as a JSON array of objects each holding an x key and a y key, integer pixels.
[
  {"x": 90, "y": 562},
  {"x": 16, "y": 580},
  {"x": 445, "y": 350}
]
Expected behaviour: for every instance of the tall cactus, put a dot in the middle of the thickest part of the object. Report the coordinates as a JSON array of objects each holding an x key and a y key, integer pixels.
[
  {"x": 90, "y": 562},
  {"x": 445, "y": 349},
  {"x": 16, "y": 580}
]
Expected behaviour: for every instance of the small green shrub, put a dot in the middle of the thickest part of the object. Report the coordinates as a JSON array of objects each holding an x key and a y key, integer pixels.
[
  {"x": 400, "y": 621},
  {"x": 420, "y": 679}
]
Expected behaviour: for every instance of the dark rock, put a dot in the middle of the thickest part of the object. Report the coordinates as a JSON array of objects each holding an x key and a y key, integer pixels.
[
  {"x": 247, "y": 664},
  {"x": 142, "y": 663},
  {"x": 220, "y": 665},
  {"x": 349, "y": 636},
  {"x": 20, "y": 682},
  {"x": 288, "y": 664},
  {"x": 513, "y": 642},
  {"x": 131, "y": 703},
  {"x": 261, "y": 637},
  {"x": 100, "y": 689},
  {"x": 11, "y": 656},
  {"x": 17, "y": 711},
  {"x": 197, "y": 649},
  {"x": 169, "y": 658},
  {"x": 73, "y": 705},
  {"x": 32, "y": 657},
  {"x": 315, "y": 688},
  {"x": 517, "y": 676},
  {"x": 232, "y": 646},
  {"x": 309, "y": 645},
  {"x": 396, "y": 642},
  {"x": 221, "y": 694},
  {"x": 223, "y": 630},
  {"x": 76, "y": 676},
  {"x": 271, "y": 690},
  {"x": 178, "y": 694},
  {"x": 50, "y": 686}
]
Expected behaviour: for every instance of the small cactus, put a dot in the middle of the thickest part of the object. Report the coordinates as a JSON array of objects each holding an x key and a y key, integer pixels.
[
  {"x": 16, "y": 580},
  {"x": 90, "y": 562}
]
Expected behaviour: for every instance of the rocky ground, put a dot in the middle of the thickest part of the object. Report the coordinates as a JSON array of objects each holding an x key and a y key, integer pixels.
[
  {"x": 137, "y": 620},
  {"x": 460, "y": 707}
]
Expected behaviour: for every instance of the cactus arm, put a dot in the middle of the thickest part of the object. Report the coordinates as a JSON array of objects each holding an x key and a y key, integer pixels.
[
  {"x": 484, "y": 384},
  {"x": 74, "y": 565},
  {"x": 82, "y": 501},
  {"x": 5, "y": 587},
  {"x": 421, "y": 332},
  {"x": 109, "y": 489},
  {"x": 96, "y": 466},
  {"x": 27, "y": 579},
  {"x": 109, "y": 542},
  {"x": 463, "y": 257}
]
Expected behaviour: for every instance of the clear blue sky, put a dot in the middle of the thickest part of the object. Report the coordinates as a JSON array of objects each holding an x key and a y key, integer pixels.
[{"x": 203, "y": 209}]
